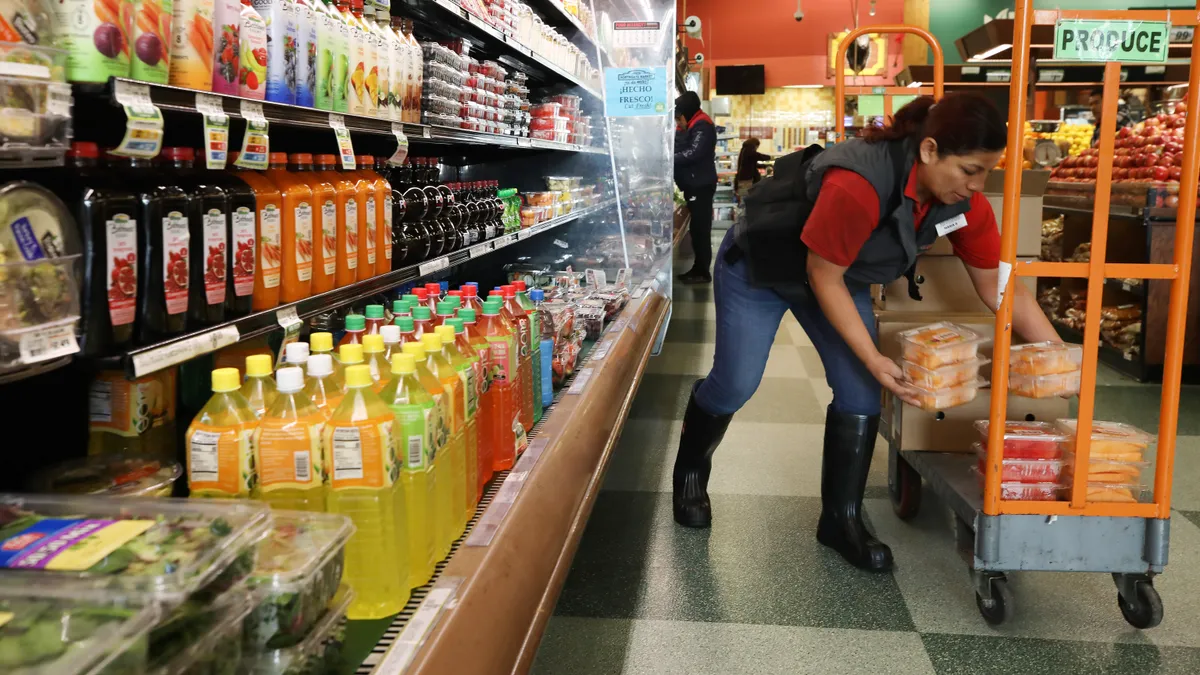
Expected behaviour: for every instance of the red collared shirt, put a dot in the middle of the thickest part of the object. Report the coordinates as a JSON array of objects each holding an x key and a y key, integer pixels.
[{"x": 847, "y": 211}]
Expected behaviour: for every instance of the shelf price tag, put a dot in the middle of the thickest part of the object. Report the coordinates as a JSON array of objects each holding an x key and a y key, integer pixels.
[
  {"x": 602, "y": 349},
  {"x": 345, "y": 145},
  {"x": 143, "y": 121},
  {"x": 481, "y": 249},
  {"x": 290, "y": 321},
  {"x": 175, "y": 353},
  {"x": 256, "y": 142},
  {"x": 434, "y": 266},
  {"x": 581, "y": 381},
  {"x": 623, "y": 276},
  {"x": 595, "y": 278},
  {"x": 401, "y": 145},
  {"x": 524, "y": 234},
  {"x": 49, "y": 341},
  {"x": 216, "y": 131}
]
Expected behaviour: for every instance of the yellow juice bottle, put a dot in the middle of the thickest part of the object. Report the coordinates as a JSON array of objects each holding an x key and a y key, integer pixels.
[
  {"x": 416, "y": 422},
  {"x": 259, "y": 387},
  {"x": 322, "y": 343},
  {"x": 464, "y": 366},
  {"x": 438, "y": 361},
  {"x": 350, "y": 355},
  {"x": 220, "y": 457},
  {"x": 287, "y": 447},
  {"x": 325, "y": 387},
  {"x": 440, "y": 517},
  {"x": 364, "y": 485},
  {"x": 376, "y": 360}
]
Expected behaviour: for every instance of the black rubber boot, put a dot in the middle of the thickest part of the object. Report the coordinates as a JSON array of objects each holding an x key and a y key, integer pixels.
[
  {"x": 695, "y": 276},
  {"x": 701, "y": 435},
  {"x": 849, "y": 444}
]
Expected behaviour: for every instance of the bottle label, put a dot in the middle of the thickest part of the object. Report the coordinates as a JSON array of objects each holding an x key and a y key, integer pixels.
[
  {"x": 440, "y": 419},
  {"x": 329, "y": 236},
  {"x": 387, "y": 228},
  {"x": 484, "y": 366},
  {"x": 175, "y": 236},
  {"x": 68, "y": 544},
  {"x": 270, "y": 248},
  {"x": 415, "y": 434},
  {"x": 372, "y": 230},
  {"x": 243, "y": 246},
  {"x": 456, "y": 403},
  {"x": 352, "y": 233},
  {"x": 131, "y": 408},
  {"x": 502, "y": 367},
  {"x": 221, "y": 459},
  {"x": 121, "y": 242},
  {"x": 470, "y": 387},
  {"x": 362, "y": 455},
  {"x": 214, "y": 256},
  {"x": 304, "y": 241},
  {"x": 523, "y": 333},
  {"x": 289, "y": 453}
]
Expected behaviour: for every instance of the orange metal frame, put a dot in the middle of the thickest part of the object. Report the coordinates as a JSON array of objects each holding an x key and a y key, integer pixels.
[
  {"x": 1095, "y": 271},
  {"x": 839, "y": 87}
]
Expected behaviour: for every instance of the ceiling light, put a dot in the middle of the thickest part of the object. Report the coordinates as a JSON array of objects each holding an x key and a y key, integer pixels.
[
  {"x": 914, "y": 85},
  {"x": 871, "y": 11},
  {"x": 991, "y": 52},
  {"x": 803, "y": 86}
]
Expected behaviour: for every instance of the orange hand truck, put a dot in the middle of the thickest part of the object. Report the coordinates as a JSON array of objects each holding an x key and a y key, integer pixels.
[{"x": 1130, "y": 541}]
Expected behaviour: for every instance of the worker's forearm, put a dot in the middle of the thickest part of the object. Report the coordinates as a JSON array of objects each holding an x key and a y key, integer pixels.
[
  {"x": 838, "y": 306},
  {"x": 1029, "y": 321}
]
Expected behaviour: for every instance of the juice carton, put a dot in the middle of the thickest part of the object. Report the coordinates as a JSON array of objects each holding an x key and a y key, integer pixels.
[
  {"x": 151, "y": 38},
  {"x": 282, "y": 48},
  {"x": 191, "y": 46}
]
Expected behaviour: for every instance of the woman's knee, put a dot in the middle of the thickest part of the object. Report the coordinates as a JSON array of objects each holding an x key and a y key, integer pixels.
[
  {"x": 724, "y": 395},
  {"x": 863, "y": 399}
]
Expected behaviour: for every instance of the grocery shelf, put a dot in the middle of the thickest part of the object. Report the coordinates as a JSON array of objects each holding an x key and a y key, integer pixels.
[
  {"x": 557, "y": 16},
  {"x": 1118, "y": 285},
  {"x": 1114, "y": 358},
  {"x": 141, "y": 361}
]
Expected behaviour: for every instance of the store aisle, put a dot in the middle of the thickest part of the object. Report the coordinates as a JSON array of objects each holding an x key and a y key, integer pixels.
[{"x": 757, "y": 594}]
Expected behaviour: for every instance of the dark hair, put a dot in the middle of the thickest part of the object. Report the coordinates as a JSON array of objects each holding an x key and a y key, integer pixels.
[{"x": 960, "y": 123}]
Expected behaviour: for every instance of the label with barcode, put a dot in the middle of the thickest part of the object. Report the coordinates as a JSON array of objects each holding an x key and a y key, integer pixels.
[
  {"x": 100, "y": 401},
  {"x": 48, "y": 342},
  {"x": 581, "y": 381},
  {"x": 434, "y": 266},
  {"x": 524, "y": 234},
  {"x": 183, "y": 350},
  {"x": 303, "y": 466},
  {"x": 347, "y": 454},
  {"x": 414, "y": 451},
  {"x": 482, "y": 249},
  {"x": 203, "y": 455},
  {"x": 602, "y": 349}
]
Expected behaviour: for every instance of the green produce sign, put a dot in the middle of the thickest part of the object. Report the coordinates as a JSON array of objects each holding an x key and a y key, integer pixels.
[{"x": 1131, "y": 41}]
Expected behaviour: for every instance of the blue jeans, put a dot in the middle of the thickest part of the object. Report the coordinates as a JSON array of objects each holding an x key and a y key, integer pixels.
[{"x": 747, "y": 321}]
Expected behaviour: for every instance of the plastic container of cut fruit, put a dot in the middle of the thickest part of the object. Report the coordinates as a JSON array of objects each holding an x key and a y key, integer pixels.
[
  {"x": 1022, "y": 470},
  {"x": 1026, "y": 492},
  {"x": 1126, "y": 493},
  {"x": 144, "y": 548},
  {"x": 318, "y": 652},
  {"x": 1027, "y": 440},
  {"x": 940, "y": 344},
  {"x": 1044, "y": 386},
  {"x": 1104, "y": 470},
  {"x": 299, "y": 569},
  {"x": 1110, "y": 440},
  {"x": 952, "y": 375},
  {"x": 113, "y": 475},
  {"x": 50, "y": 633},
  {"x": 941, "y": 399},
  {"x": 1045, "y": 358},
  {"x": 211, "y": 641}
]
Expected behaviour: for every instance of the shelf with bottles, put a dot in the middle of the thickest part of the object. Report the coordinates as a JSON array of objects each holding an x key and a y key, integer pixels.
[{"x": 556, "y": 13}]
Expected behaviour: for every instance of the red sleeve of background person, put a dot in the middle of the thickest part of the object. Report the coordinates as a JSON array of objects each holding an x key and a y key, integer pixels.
[{"x": 847, "y": 211}]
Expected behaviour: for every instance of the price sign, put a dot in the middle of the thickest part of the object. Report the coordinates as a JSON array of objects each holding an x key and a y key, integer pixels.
[
  {"x": 1051, "y": 75},
  {"x": 143, "y": 121},
  {"x": 401, "y": 145},
  {"x": 176, "y": 353},
  {"x": 595, "y": 278},
  {"x": 481, "y": 249},
  {"x": 345, "y": 146},
  {"x": 434, "y": 266},
  {"x": 524, "y": 234},
  {"x": 581, "y": 381},
  {"x": 623, "y": 276},
  {"x": 216, "y": 131},
  {"x": 256, "y": 142},
  {"x": 290, "y": 321}
]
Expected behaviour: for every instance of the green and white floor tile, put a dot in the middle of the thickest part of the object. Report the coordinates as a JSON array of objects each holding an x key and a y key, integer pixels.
[{"x": 757, "y": 594}]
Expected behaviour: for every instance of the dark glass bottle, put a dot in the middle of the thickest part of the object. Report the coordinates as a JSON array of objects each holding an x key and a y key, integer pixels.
[
  {"x": 417, "y": 210},
  {"x": 442, "y": 236},
  {"x": 209, "y": 222}
]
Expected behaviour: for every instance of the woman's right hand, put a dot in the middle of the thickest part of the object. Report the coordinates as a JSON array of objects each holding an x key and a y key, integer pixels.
[{"x": 891, "y": 376}]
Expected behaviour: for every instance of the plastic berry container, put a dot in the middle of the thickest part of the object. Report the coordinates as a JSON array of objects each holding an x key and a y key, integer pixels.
[
  {"x": 1044, "y": 386},
  {"x": 940, "y": 344},
  {"x": 1110, "y": 440},
  {"x": 1022, "y": 470},
  {"x": 1015, "y": 491},
  {"x": 1045, "y": 358},
  {"x": 941, "y": 399},
  {"x": 945, "y": 377},
  {"x": 1027, "y": 440},
  {"x": 546, "y": 110},
  {"x": 568, "y": 101}
]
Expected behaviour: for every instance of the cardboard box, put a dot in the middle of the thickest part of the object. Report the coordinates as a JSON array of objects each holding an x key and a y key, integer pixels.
[
  {"x": 1029, "y": 216},
  {"x": 947, "y": 288}
]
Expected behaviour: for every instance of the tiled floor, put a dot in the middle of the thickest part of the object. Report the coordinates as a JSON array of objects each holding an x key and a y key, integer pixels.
[{"x": 757, "y": 594}]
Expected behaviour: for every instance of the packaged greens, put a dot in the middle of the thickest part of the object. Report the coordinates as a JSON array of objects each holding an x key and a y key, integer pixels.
[
  {"x": 206, "y": 640},
  {"x": 163, "y": 549},
  {"x": 298, "y": 571},
  {"x": 321, "y": 650},
  {"x": 85, "y": 633}
]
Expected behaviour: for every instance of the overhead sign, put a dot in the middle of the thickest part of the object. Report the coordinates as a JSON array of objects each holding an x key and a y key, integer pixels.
[
  {"x": 1127, "y": 41},
  {"x": 635, "y": 92}
]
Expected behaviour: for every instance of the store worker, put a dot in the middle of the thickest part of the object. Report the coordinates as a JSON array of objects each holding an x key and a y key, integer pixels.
[
  {"x": 696, "y": 176},
  {"x": 747, "y": 171},
  {"x": 813, "y": 238},
  {"x": 1096, "y": 101}
]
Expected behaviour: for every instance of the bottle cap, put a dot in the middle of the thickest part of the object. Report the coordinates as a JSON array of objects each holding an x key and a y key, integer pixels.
[
  {"x": 179, "y": 154},
  {"x": 325, "y": 159},
  {"x": 278, "y": 158},
  {"x": 226, "y": 379},
  {"x": 374, "y": 311},
  {"x": 508, "y": 291},
  {"x": 469, "y": 291},
  {"x": 445, "y": 308},
  {"x": 320, "y": 342},
  {"x": 320, "y": 365},
  {"x": 415, "y": 348},
  {"x": 537, "y": 295},
  {"x": 403, "y": 364},
  {"x": 422, "y": 313},
  {"x": 405, "y": 324},
  {"x": 351, "y": 354},
  {"x": 289, "y": 380},
  {"x": 358, "y": 376},
  {"x": 433, "y": 288},
  {"x": 411, "y": 299},
  {"x": 84, "y": 149},
  {"x": 258, "y": 365},
  {"x": 296, "y": 353},
  {"x": 300, "y": 158},
  {"x": 364, "y": 160},
  {"x": 454, "y": 294},
  {"x": 491, "y": 308},
  {"x": 356, "y": 322},
  {"x": 454, "y": 300},
  {"x": 421, "y": 293},
  {"x": 401, "y": 306},
  {"x": 457, "y": 325},
  {"x": 519, "y": 285},
  {"x": 390, "y": 334},
  {"x": 432, "y": 341},
  {"x": 443, "y": 286},
  {"x": 446, "y": 333},
  {"x": 372, "y": 344},
  {"x": 467, "y": 314}
]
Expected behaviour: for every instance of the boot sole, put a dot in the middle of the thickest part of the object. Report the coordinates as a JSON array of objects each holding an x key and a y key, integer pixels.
[
  {"x": 694, "y": 523},
  {"x": 866, "y": 567}
]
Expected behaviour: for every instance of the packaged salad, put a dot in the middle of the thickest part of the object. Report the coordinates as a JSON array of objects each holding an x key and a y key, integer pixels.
[
  {"x": 319, "y": 652},
  {"x": 209, "y": 642},
  {"x": 120, "y": 475},
  {"x": 62, "y": 634},
  {"x": 299, "y": 569}
]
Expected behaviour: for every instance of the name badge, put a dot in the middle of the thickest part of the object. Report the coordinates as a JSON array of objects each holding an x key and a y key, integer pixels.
[{"x": 947, "y": 226}]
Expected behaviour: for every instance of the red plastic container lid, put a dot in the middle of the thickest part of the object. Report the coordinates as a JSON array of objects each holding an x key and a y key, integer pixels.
[
  {"x": 84, "y": 149},
  {"x": 180, "y": 154}
]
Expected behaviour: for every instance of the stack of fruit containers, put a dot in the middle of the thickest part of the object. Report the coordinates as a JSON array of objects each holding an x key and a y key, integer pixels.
[
  {"x": 1032, "y": 464},
  {"x": 1044, "y": 369},
  {"x": 1118, "y": 456},
  {"x": 941, "y": 361}
]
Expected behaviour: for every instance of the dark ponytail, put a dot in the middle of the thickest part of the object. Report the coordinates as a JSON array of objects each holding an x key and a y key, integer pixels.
[{"x": 961, "y": 123}]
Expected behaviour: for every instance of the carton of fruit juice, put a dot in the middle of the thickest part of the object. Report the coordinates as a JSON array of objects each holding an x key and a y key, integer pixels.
[
  {"x": 227, "y": 20},
  {"x": 283, "y": 48},
  {"x": 252, "y": 62},
  {"x": 151, "y": 40},
  {"x": 191, "y": 54}
]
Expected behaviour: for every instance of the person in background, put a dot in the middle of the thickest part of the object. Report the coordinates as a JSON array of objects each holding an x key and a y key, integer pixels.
[
  {"x": 696, "y": 176},
  {"x": 747, "y": 171},
  {"x": 1096, "y": 101}
]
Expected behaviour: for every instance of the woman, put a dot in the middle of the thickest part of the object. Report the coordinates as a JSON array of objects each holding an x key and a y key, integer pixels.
[
  {"x": 813, "y": 239},
  {"x": 696, "y": 176},
  {"x": 747, "y": 171}
]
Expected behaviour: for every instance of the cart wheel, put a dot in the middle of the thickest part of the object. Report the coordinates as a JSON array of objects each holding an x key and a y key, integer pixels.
[
  {"x": 904, "y": 487},
  {"x": 1000, "y": 608},
  {"x": 1145, "y": 610}
]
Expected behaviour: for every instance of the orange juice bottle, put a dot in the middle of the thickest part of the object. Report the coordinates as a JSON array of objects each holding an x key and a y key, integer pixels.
[
  {"x": 297, "y": 230},
  {"x": 487, "y": 393},
  {"x": 322, "y": 343},
  {"x": 259, "y": 388},
  {"x": 287, "y": 448},
  {"x": 364, "y": 195},
  {"x": 445, "y": 312},
  {"x": 391, "y": 341},
  {"x": 356, "y": 328},
  {"x": 220, "y": 457},
  {"x": 437, "y": 359},
  {"x": 351, "y": 355},
  {"x": 408, "y": 330},
  {"x": 267, "y": 274},
  {"x": 365, "y": 485},
  {"x": 433, "y": 295},
  {"x": 525, "y": 336},
  {"x": 374, "y": 319},
  {"x": 324, "y": 206},
  {"x": 373, "y": 356},
  {"x": 325, "y": 386},
  {"x": 383, "y": 212},
  {"x": 422, "y": 321},
  {"x": 440, "y": 518},
  {"x": 464, "y": 364},
  {"x": 503, "y": 434},
  {"x": 346, "y": 215}
]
